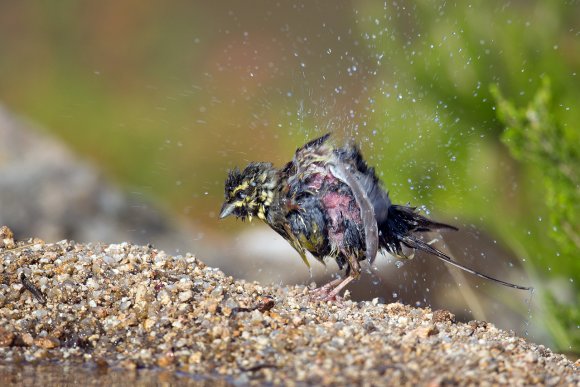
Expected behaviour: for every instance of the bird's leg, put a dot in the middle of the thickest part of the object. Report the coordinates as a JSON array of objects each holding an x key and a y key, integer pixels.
[
  {"x": 334, "y": 293},
  {"x": 322, "y": 292},
  {"x": 329, "y": 292}
]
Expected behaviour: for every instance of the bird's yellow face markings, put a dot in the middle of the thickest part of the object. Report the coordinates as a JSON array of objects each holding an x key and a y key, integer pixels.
[
  {"x": 252, "y": 197},
  {"x": 249, "y": 193},
  {"x": 241, "y": 187},
  {"x": 266, "y": 197},
  {"x": 241, "y": 194}
]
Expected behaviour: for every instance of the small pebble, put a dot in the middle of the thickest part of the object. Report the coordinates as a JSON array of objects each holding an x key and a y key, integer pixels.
[
  {"x": 46, "y": 342},
  {"x": 6, "y": 338}
]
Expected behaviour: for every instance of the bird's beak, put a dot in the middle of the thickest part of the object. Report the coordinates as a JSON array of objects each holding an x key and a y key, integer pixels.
[{"x": 227, "y": 210}]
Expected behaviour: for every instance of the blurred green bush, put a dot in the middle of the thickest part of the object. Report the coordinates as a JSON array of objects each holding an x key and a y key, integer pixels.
[
  {"x": 536, "y": 135},
  {"x": 448, "y": 55}
]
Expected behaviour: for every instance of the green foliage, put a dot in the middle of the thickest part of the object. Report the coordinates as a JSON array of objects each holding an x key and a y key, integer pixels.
[
  {"x": 440, "y": 126},
  {"x": 534, "y": 136},
  {"x": 537, "y": 138}
]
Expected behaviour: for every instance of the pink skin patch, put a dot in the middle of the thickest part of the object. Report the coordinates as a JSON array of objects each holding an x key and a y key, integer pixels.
[
  {"x": 316, "y": 181},
  {"x": 336, "y": 202},
  {"x": 335, "y": 205},
  {"x": 318, "y": 176},
  {"x": 338, "y": 205}
]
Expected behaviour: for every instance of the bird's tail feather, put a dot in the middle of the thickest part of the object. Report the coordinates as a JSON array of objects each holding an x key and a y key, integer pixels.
[{"x": 400, "y": 228}]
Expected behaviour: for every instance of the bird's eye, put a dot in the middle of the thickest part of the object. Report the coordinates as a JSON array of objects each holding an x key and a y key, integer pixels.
[{"x": 241, "y": 195}]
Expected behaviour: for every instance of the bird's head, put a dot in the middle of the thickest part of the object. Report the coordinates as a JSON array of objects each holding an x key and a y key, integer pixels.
[{"x": 249, "y": 192}]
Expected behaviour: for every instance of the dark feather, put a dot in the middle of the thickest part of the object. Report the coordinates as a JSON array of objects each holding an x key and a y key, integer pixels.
[
  {"x": 314, "y": 143},
  {"x": 233, "y": 180},
  {"x": 367, "y": 211},
  {"x": 400, "y": 228},
  {"x": 412, "y": 242}
]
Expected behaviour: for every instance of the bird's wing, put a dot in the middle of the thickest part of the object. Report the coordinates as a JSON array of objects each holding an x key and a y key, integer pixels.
[
  {"x": 316, "y": 151},
  {"x": 294, "y": 242},
  {"x": 317, "y": 142},
  {"x": 357, "y": 185},
  {"x": 370, "y": 183}
]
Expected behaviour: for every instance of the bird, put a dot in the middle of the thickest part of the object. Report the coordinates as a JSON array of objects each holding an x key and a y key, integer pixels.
[{"x": 327, "y": 201}]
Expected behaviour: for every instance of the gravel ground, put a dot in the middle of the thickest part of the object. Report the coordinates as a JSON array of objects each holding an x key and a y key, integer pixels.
[{"x": 131, "y": 307}]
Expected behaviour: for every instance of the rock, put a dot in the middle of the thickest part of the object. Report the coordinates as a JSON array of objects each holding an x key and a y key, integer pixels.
[
  {"x": 443, "y": 316},
  {"x": 166, "y": 360},
  {"x": 185, "y": 296},
  {"x": 128, "y": 364},
  {"x": 27, "y": 339},
  {"x": 6, "y": 338},
  {"x": 46, "y": 342},
  {"x": 54, "y": 193},
  {"x": 531, "y": 357},
  {"x": 195, "y": 358},
  {"x": 6, "y": 238},
  {"x": 426, "y": 331}
]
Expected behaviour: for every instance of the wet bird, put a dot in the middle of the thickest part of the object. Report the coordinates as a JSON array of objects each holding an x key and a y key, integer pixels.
[{"x": 327, "y": 201}]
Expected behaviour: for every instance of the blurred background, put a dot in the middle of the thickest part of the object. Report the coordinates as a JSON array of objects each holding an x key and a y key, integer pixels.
[{"x": 119, "y": 121}]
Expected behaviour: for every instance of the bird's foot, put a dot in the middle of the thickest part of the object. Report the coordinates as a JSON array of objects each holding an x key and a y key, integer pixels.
[
  {"x": 324, "y": 294},
  {"x": 329, "y": 292}
]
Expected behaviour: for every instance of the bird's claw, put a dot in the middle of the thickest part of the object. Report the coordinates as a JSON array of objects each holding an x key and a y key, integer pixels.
[
  {"x": 328, "y": 292},
  {"x": 324, "y": 294}
]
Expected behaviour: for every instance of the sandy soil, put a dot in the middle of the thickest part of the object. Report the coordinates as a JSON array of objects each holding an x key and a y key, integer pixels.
[{"x": 133, "y": 307}]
